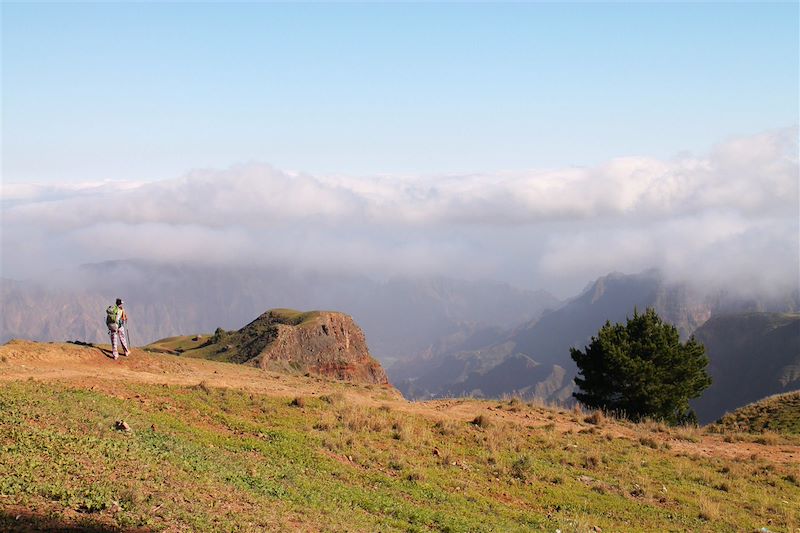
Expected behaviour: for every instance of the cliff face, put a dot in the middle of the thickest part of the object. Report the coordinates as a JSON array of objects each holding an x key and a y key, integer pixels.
[{"x": 325, "y": 343}]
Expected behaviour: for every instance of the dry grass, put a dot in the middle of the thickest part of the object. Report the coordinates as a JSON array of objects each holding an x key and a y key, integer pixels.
[
  {"x": 649, "y": 442},
  {"x": 597, "y": 418},
  {"x": 482, "y": 421},
  {"x": 709, "y": 509}
]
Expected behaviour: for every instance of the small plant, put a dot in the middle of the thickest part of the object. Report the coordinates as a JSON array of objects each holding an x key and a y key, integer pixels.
[
  {"x": 724, "y": 487},
  {"x": 638, "y": 491},
  {"x": 445, "y": 427},
  {"x": 414, "y": 476},
  {"x": 482, "y": 421},
  {"x": 298, "y": 401},
  {"x": 521, "y": 467},
  {"x": 592, "y": 461},
  {"x": 766, "y": 440},
  {"x": 597, "y": 417},
  {"x": 204, "y": 386},
  {"x": 322, "y": 426},
  {"x": 709, "y": 510},
  {"x": 335, "y": 398},
  {"x": 649, "y": 442},
  {"x": 515, "y": 404}
]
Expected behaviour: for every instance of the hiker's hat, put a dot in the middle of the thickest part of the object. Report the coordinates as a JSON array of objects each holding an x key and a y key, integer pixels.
[{"x": 119, "y": 301}]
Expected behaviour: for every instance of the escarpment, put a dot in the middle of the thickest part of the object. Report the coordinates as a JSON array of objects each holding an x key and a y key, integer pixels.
[{"x": 324, "y": 343}]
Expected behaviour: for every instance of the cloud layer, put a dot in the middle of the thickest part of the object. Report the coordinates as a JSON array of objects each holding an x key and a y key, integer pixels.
[{"x": 728, "y": 218}]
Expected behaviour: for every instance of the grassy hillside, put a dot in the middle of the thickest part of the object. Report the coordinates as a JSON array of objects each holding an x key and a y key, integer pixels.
[
  {"x": 779, "y": 413},
  {"x": 275, "y": 452},
  {"x": 235, "y": 346}
]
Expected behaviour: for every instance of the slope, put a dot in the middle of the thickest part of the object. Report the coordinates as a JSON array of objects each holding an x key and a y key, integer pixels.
[
  {"x": 215, "y": 446},
  {"x": 779, "y": 413}
]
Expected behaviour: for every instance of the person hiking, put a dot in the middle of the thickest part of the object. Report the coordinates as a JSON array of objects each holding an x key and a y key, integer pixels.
[{"x": 116, "y": 318}]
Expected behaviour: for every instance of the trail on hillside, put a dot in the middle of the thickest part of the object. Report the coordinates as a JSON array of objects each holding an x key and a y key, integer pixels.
[{"x": 91, "y": 367}]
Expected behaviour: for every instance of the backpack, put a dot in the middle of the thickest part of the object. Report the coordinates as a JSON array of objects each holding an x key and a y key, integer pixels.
[{"x": 111, "y": 315}]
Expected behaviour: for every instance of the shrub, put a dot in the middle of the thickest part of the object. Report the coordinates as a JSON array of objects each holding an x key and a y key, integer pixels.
[
  {"x": 298, "y": 401},
  {"x": 521, "y": 467},
  {"x": 482, "y": 421},
  {"x": 596, "y": 418},
  {"x": 649, "y": 442}
]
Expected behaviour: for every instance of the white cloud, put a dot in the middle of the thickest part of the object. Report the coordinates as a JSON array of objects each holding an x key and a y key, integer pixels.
[{"x": 730, "y": 216}]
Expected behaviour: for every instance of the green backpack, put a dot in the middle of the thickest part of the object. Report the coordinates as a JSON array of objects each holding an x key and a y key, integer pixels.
[{"x": 111, "y": 315}]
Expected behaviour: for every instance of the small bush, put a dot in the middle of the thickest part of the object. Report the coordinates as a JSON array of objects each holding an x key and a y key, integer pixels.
[
  {"x": 445, "y": 427},
  {"x": 597, "y": 417},
  {"x": 709, "y": 510},
  {"x": 203, "y": 386},
  {"x": 334, "y": 399},
  {"x": 298, "y": 401},
  {"x": 766, "y": 440},
  {"x": 521, "y": 467},
  {"x": 649, "y": 442},
  {"x": 515, "y": 404},
  {"x": 414, "y": 476},
  {"x": 592, "y": 461},
  {"x": 482, "y": 421},
  {"x": 322, "y": 426}
]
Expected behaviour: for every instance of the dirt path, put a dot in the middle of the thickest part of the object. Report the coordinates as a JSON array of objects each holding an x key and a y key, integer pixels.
[{"x": 91, "y": 366}]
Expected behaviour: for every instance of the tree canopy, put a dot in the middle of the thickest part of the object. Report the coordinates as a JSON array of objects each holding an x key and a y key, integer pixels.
[{"x": 642, "y": 370}]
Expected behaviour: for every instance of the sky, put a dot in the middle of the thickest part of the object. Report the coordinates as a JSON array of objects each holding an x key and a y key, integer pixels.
[{"x": 539, "y": 144}]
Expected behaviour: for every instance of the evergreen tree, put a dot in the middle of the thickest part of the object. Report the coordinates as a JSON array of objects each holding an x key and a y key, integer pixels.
[{"x": 641, "y": 369}]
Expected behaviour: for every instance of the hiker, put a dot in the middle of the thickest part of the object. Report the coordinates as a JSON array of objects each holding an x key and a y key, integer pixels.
[{"x": 116, "y": 318}]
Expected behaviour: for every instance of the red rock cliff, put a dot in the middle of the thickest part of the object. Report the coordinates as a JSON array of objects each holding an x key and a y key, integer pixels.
[{"x": 325, "y": 343}]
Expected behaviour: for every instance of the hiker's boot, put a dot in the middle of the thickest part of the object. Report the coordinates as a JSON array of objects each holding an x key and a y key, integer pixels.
[
  {"x": 127, "y": 353},
  {"x": 114, "y": 356}
]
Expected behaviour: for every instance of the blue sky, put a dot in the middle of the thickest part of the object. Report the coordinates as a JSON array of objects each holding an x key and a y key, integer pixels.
[{"x": 151, "y": 91}]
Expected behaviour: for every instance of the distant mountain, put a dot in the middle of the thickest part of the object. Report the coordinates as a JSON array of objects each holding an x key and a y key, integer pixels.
[
  {"x": 402, "y": 317},
  {"x": 752, "y": 355},
  {"x": 546, "y": 341}
]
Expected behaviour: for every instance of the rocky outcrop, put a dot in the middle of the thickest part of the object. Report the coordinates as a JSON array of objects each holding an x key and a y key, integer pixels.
[{"x": 328, "y": 344}]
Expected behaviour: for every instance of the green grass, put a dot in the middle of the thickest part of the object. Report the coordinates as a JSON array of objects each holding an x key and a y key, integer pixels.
[
  {"x": 293, "y": 317},
  {"x": 207, "y": 459},
  {"x": 184, "y": 343},
  {"x": 229, "y": 347},
  {"x": 779, "y": 414}
]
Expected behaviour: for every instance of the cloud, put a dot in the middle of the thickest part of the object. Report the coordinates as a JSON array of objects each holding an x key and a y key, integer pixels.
[{"x": 730, "y": 216}]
